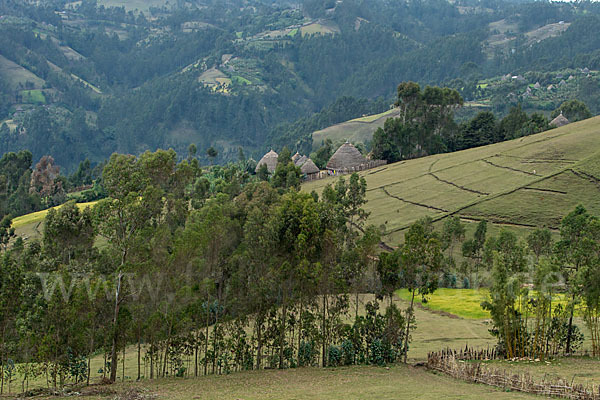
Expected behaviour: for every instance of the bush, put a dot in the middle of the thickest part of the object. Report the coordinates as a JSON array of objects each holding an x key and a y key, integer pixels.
[
  {"x": 466, "y": 283},
  {"x": 334, "y": 356},
  {"x": 348, "y": 352},
  {"x": 376, "y": 351},
  {"x": 306, "y": 354}
]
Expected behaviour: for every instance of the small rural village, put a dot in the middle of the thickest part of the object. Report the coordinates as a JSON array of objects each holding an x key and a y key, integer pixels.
[{"x": 299, "y": 199}]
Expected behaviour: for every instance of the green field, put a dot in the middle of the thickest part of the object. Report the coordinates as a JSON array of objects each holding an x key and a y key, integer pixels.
[
  {"x": 131, "y": 5},
  {"x": 33, "y": 96},
  {"x": 464, "y": 303},
  {"x": 320, "y": 28},
  {"x": 519, "y": 184},
  {"x": 31, "y": 225}
]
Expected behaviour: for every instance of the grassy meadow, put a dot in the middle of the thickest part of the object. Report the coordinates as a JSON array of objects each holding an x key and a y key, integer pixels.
[
  {"x": 31, "y": 225},
  {"x": 356, "y": 130},
  {"x": 520, "y": 184},
  {"x": 396, "y": 382}
]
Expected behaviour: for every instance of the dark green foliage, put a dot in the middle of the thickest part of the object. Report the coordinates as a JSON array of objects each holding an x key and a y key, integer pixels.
[
  {"x": 425, "y": 125},
  {"x": 479, "y": 131},
  {"x": 574, "y": 110}
]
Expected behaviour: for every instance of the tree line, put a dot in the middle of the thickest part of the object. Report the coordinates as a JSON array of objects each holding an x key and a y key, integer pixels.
[
  {"x": 202, "y": 271},
  {"x": 426, "y": 125}
]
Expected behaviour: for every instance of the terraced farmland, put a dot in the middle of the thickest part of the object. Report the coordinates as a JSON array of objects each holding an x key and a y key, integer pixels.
[{"x": 521, "y": 184}]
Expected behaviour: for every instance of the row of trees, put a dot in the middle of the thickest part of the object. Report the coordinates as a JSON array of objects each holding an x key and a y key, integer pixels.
[
  {"x": 206, "y": 272},
  {"x": 426, "y": 125},
  {"x": 534, "y": 299}
]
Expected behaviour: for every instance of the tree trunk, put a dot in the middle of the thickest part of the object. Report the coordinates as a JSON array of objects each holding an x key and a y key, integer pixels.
[
  {"x": 356, "y": 309},
  {"x": 324, "y": 331},
  {"x": 300, "y": 329},
  {"x": 152, "y": 360},
  {"x": 409, "y": 317},
  {"x": 570, "y": 331},
  {"x": 123, "y": 375},
  {"x": 214, "y": 366},
  {"x": 259, "y": 322},
  {"x": 196, "y": 354},
  {"x": 115, "y": 336},
  {"x": 282, "y": 336},
  {"x": 139, "y": 360},
  {"x": 206, "y": 338}
]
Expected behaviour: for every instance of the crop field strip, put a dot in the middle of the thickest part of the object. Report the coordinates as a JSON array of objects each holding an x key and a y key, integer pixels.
[{"x": 478, "y": 183}]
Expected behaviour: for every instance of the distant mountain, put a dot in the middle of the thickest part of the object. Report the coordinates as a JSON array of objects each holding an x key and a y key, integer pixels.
[{"x": 85, "y": 79}]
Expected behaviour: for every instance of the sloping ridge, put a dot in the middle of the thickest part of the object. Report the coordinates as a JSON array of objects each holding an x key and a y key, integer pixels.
[
  {"x": 511, "y": 183},
  {"x": 355, "y": 130}
]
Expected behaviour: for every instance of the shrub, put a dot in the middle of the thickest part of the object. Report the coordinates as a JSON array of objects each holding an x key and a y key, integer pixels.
[{"x": 334, "y": 356}]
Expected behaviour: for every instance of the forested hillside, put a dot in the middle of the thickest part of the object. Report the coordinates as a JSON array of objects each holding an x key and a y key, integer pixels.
[{"x": 82, "y": 80}]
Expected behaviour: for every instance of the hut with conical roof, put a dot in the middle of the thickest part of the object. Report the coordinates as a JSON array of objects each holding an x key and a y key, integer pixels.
[
  {"x": 298, "y": 162},
  {"x": 295, "y": 157},
  {"x": 310, "y": 169},
  {"x": 559, "y": 121},
  {"x": 270, "y": 159},
  {"x": 345, "y": 158}
]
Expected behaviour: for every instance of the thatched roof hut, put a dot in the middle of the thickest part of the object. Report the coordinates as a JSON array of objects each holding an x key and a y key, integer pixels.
[
  {"x": 295, "y": 157},
  {"x": 347, "y": 156},
  {"x": 309, "y": 167},
  {"x": 300, "y": 161},
  {"x": 559, "y": 121},
  {"x": 270, "y": 159}
]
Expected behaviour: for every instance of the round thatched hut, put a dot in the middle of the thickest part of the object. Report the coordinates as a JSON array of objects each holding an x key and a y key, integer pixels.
[
  {"x": 346, "y": 157},
  {"x": 310, "y": 169},
  {"x": 298, "y": 162},
  {"x": 270, "y": 159},
  {"x": 559, "y": 121}
]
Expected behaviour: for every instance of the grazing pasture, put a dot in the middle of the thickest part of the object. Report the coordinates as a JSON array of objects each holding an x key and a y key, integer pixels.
[
  {"x": 521, "y": 184},
  {"x": 356, "y": 130},
  {"x": 17, "y": 76}
]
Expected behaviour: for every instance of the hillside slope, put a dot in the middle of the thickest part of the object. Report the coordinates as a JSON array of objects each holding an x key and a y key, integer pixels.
[
  {"x": 523, "y": 183},
  {"x": 356, "y": 130}
]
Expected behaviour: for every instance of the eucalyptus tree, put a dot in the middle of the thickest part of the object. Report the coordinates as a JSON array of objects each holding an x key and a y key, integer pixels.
[
  {"x": 577, "y": 250},
  {"x": 507, "y": 257},
  {"x": 11, "y": 284},
  {"x": 133, "y": 204},
  {"x": 420, "y": 263}
]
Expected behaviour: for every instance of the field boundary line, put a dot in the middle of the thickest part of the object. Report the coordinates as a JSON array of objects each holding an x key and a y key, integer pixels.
[
  {"x": 413, "y": 202},
  {"x": 509, "y": 168}
]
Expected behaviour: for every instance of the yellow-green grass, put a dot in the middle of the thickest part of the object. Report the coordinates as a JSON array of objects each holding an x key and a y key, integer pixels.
[
  {"x": 522, "y": 183},
  {"x": 356, "y": 130},
  {"x": 465, "y": 303},
  {"x": 374, "y": 117},
  {"x": 33, "y": 96},
  {"x": 579, "y": 370},
  {"x": 39, "y": 216},
  {"x": 347, "y": 383},
  {"x": 240, "y": 80},
  {"x": 319, "y": 28}
]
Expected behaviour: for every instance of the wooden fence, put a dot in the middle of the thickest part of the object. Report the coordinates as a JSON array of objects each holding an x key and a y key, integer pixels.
[{"x": 460, "y": 365}]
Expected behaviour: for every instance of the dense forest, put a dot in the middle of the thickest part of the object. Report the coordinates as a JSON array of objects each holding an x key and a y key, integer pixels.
[{"x": 82, "y": 80}]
